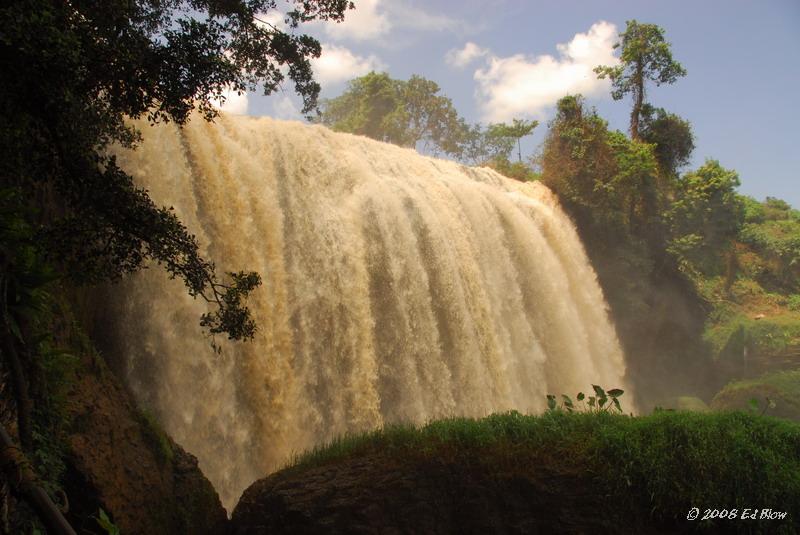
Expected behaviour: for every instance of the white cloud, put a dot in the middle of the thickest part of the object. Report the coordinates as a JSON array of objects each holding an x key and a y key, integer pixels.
[
  {"x": 338, "y": 64},
  {"x": 233, "y": 103},
  {"x": 373, "y": 20},
  {"x": 272, "y": 19},
  {"x": 519, "y": 85},
  {"x": 461, "y": 57},
  {"x": 416, "y": 19},
  {"x": 364, "y": 23}
]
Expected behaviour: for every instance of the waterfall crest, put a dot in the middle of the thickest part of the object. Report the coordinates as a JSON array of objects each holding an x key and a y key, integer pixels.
[{"x": 396, "y": 287}]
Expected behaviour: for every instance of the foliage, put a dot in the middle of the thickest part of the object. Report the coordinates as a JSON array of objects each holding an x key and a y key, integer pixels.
[
  {"x": 599, "y": 172},
  {"x": 753, "y": 325},
  {"x": 634, "y": 184},
  {"x": 493, "y": 143},
  {"x": 754, "y": 211},
  {"x": 24, "y": 274},
  {"x": 74, "y": 71},
  {"x": 36, "y": 372},
  {"x": 660, "y": 464},
  {"x": 25, "y": 277},
  {"x": 577, "y": 159},
  {"x": 412, "y": 112},
  {"x": 480, "y": 145},
  {"x": 671, "y": 135},
  {"x": 402, "y": 112},
  {"x": 105, "y": 523},
  {"x": 706, "y": 215},
  {"x": 645, "y": 56},
  {"x": 743, "y": 347},
  {"x": 58, "y": 369},
  {"x": 492, "y": 146},
  {"x": 775, "y": 237},
  {"x": 518, "y": 129},
  {"x": 597, "y": 403}
]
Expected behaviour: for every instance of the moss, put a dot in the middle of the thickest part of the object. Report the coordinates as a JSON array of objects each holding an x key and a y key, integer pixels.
[
  {"x": 782, "y": 388},
  {"x": 661, "y": 464},
  {"x": 155, "y": 436},
  {"x": 687, "y": 403}
]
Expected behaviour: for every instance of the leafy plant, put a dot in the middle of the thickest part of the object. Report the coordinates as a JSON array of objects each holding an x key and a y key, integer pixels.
[
  {"x": 602, "y": 401},
  {"x": 105, "y": 522}
]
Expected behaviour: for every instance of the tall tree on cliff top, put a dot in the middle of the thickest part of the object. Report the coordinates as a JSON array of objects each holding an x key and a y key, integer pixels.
[
  {"x": 645, "y": 56},
  {"x": 73, "y": 72}
]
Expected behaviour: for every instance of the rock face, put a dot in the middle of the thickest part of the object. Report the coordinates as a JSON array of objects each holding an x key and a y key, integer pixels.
[
  {"x": 376, "y": 494},
  {"x": 120, "y": 461}
]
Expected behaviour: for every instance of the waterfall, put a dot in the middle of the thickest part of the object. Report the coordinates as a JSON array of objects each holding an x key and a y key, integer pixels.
[{"x": 397, "y": 287}]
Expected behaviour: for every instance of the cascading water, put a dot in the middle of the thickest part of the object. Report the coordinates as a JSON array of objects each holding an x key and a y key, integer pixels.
[{"x": 396, "y": 288}]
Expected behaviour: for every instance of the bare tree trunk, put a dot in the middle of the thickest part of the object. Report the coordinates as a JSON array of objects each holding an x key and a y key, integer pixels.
[
  {"x": 22, "y": 479},
  {"x": 638, "y": 100},
  {"x": 731, "y": 269},
  {"x": 24, "y": 406}
]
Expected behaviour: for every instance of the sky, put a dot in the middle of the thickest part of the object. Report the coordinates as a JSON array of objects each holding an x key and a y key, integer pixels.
[{"x": 504, "y": 59}]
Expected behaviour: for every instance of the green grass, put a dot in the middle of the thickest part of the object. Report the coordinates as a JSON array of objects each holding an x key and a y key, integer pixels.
[{"x": 661, "y": 464}]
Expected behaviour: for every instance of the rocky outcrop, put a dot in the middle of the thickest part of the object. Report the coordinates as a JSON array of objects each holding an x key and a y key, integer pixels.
[
  {"x": 121, "y": 461},
  {"x": 379, "y": 494}
]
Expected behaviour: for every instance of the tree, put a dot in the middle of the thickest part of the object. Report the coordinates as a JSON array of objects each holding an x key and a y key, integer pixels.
[
  {"x": 492, "y": 146},
  {"x": 602, "y": 176},
  {"x": 633, "y": 186},
  {"x": 577, "y": 161},
  {"x": 431, "y": 118},
  {"x": 402, "y": 112},
  {"x": 73, "y": 72},
  {"x": 706, "y": 216},
  {"x": 370, "y": 106},
  {"x": 518, "y": 129},
  {"x": 645, "y": 56},
  {"x": 671, "y": 135},
  {"x": 481, "y": 145}
]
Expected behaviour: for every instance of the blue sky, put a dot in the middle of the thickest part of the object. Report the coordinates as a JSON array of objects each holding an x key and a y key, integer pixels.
[{"x": 501, "y": 58}]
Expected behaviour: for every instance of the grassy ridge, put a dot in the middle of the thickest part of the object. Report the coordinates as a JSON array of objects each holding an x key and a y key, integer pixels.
[
  {"x": 781, "y": 388},
  {"x": 656, "y": 466}
]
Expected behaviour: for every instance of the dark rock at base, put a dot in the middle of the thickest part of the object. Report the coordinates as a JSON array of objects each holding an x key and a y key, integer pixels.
[{"x": 376, "y": 494}]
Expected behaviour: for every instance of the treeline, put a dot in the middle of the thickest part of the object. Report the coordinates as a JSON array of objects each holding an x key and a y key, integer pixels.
[{"x": 412, "y": 113}]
